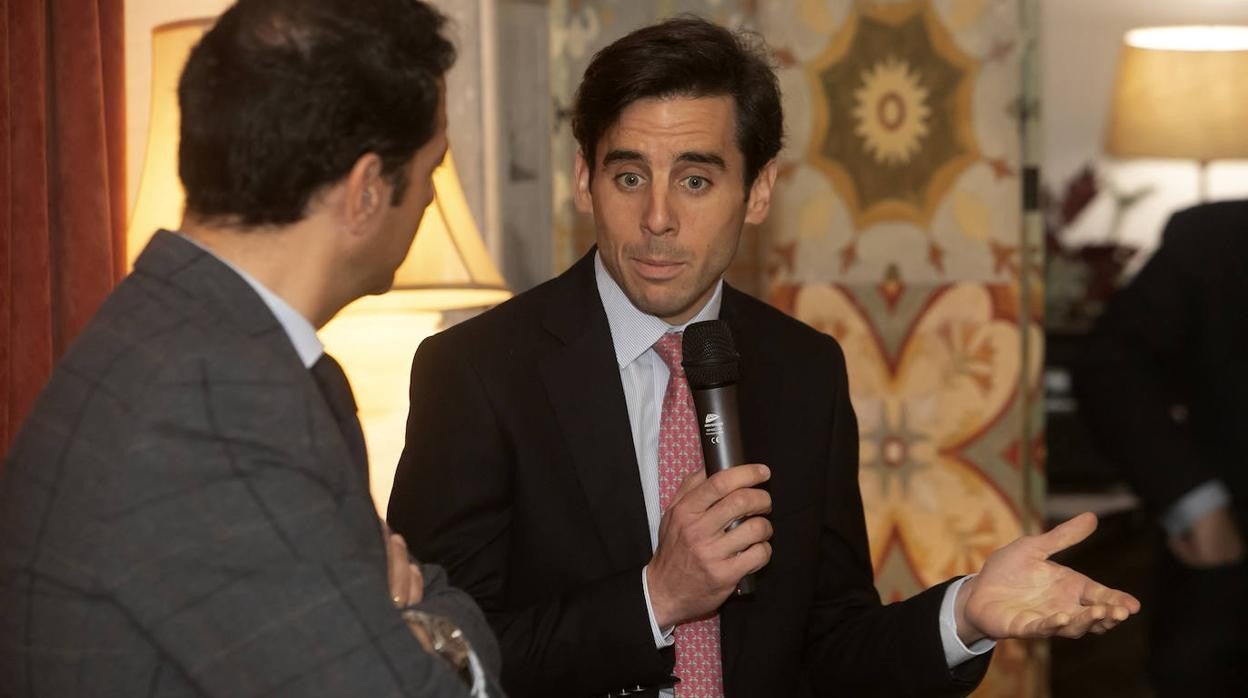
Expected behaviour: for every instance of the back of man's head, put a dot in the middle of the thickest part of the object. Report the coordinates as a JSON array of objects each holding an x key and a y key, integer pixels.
[
  {"x": 282, "y": 97},
  {"x": 684, "y": 57}
]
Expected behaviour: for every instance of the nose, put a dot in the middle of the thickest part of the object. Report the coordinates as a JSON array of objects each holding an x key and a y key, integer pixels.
[{"x": 658, "y": 218}]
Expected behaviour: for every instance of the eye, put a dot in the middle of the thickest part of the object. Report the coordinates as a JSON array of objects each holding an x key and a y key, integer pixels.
[
  {"x": 629, "y": 180},
  {"x": 697, "y": 183}
]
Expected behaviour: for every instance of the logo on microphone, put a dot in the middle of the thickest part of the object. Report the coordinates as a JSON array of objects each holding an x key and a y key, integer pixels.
[{"x": 713, "y": 428}]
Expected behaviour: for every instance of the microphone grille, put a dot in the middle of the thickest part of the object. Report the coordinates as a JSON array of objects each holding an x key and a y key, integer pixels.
[{"x": 709, "y": 355}]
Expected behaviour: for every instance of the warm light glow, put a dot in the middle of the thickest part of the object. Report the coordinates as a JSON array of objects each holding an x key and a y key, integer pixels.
[
  {"x": 375, "y": 349},
  {"x": 160, "y": 197},
  {"x": 1190, "y": 38},
  {"x": 448, "y": 266},
  {"x": 1174, "y": 101},
  {"x": 375, "y": 337}
]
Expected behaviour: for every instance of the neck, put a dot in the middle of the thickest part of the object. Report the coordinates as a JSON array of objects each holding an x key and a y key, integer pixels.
[{"x": 292, "y": 261}]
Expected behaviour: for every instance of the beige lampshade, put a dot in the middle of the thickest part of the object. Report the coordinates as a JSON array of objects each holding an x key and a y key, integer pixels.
[
  {"x": 160, "y": 196},
  {"x": 448, "y": 266},
  {"x": 1181, "y": 93}
]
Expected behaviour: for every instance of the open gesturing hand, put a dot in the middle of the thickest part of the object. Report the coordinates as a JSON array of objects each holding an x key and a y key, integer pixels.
[{"x": 1020, "y": 593}]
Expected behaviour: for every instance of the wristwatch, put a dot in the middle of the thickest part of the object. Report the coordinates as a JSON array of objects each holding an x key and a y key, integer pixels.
[{"x": 447, "y": 639}]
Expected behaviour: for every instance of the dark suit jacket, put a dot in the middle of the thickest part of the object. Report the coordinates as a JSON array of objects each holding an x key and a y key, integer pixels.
[
  {"x": 520, "y": 477},
  {"x": 1177, "y": 335},
  {"x": 179, "y": 515}
]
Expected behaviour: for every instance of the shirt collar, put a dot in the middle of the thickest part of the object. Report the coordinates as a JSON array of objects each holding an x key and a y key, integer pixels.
[
  {"x": 634, "y": 331},
  {"x": 301, "y": 332}
]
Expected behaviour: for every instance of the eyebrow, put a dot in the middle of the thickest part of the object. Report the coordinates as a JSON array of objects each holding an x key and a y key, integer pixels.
[
  {"x": 615, "y": 156},
  {"x": 702, "y": 158},
  {"x": 694, "y": 156}
]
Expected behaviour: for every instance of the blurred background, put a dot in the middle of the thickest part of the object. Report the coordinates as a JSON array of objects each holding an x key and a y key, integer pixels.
[{"x": 965, "y": 185}]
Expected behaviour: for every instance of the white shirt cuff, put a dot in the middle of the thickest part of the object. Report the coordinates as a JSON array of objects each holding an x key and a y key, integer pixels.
[
  {"x": 662, "y": 638},
  {"x": 479, "y": 684},
  {"x": 955, "y": 651},
  {"x": 1193, "y": 505}
]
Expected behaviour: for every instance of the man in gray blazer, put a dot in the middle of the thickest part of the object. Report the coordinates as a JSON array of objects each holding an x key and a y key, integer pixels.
[{"x": 186, "y": 510}]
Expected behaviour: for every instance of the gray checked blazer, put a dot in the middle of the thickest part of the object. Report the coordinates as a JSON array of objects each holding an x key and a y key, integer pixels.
[{"x": 179, "y": 515}]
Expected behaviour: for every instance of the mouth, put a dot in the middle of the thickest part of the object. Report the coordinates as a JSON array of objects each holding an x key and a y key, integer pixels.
[{"x": 657, "y": 269}]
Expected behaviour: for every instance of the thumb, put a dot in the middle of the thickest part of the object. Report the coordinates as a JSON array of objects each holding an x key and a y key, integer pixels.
[{"x": 1067, "y": 533}]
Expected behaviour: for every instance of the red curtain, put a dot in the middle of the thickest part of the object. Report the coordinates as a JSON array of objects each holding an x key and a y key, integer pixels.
[{"x": 62, "y": 193}]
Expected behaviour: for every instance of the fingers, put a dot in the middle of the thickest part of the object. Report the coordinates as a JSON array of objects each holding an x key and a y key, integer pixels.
[
  {"x": 704, "y": 495},
  {"x": 398, "y": 570},
  {"x": 748, "y": 533},
  {"x": 1067, "y": 533},
  {"x": 753, "y": 559},
  {"x": 416, "y": 584},
  {"x": 1095, "y": 594},
  {"x": 692, "y": 480},
  {"x": 738, "y": 506},
  {"x": 1097, "y": 619}
]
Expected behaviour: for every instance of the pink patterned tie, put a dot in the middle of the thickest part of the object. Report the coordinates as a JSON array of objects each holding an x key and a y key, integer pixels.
[{"x": 698, "y": 663}]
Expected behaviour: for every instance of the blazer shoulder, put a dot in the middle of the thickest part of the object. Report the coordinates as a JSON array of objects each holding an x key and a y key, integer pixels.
[
  {"x": 1215, "y": 227},
  {"x": 146, "y": 333},
  {"x": 783, "y": 329},
  {"x": 518, "y": 321}
]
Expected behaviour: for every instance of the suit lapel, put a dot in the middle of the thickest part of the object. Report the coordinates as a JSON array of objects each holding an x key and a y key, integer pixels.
[
  {"x": 735, "y": 614},
  {"x": 582, "y": 380}
]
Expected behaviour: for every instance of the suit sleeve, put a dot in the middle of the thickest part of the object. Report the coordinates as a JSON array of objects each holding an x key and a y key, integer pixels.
[
  {"x": 1134, "y": 371},
  {"x": 452, "y": 500},
  {"x": 250, "y": 554},
  {"x": 854, "y": 643},
  {"x": 454, "y": 604}
]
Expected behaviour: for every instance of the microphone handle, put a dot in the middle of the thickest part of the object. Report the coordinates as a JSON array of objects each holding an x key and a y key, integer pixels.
[{"x": 719, "y": 428}]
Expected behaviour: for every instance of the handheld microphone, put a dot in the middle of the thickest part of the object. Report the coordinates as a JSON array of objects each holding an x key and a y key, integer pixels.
[{"x": 710, "y": 360}]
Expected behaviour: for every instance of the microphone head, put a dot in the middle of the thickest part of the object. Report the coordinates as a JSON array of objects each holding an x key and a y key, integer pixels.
[{"x": 709, "y": 355}]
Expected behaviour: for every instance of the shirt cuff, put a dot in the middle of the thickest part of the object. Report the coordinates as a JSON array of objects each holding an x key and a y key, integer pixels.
[
  {"x": 955, "y": 651},
  {"x": 662, "y": 638},
  {"x": 1201, "y": 500},
  {"x": 479, "y": 683}
]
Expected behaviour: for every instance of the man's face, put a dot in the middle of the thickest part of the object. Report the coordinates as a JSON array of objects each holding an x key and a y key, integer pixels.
[
  {"x": 668, "y": 201},
  {"x": 401, "y": 222}
]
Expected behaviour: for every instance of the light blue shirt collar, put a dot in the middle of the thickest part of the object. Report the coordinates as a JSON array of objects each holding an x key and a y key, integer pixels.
[
  {"x": 633, "y": 331},
  {"x": 301, "y": 332}
]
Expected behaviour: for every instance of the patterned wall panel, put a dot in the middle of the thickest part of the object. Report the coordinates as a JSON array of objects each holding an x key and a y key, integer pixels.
[
  {"x": 903, "y": 140},
  {"x": 941, "y": 388},
  {"x": 896, "y": 227}
]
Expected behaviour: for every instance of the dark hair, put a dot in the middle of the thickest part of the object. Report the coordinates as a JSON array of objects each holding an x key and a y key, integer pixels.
[
  {"x": 282, "y": 97},
  {"x": 686, "y": 56}
]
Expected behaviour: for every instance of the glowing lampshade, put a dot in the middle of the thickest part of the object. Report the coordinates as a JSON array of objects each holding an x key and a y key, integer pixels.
[
  {"x": 448, "y": 266},
  {"x": 1180, "y": 93},
  {"x": 160, "y": 197}
]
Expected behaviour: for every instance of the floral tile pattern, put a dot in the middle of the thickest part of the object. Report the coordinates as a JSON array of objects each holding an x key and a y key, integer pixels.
[
  {"x": 892, "y": 113},
  {"x": 935, "y": 387}
]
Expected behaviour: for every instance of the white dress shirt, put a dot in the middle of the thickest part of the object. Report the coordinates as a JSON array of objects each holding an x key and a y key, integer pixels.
[{"x": 644, "y": 377}]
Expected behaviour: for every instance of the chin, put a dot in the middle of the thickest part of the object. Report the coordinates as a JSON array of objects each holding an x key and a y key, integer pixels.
[
  {"x": 381, "y": 288},
  {"x": 662, "y": 307}
]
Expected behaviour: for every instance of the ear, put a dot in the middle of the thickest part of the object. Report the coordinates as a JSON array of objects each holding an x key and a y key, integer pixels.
[
  {"x": 583, "y": 197},
  {"x": 759, "y": 202},
  {"x": 365, "y": 193}
]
